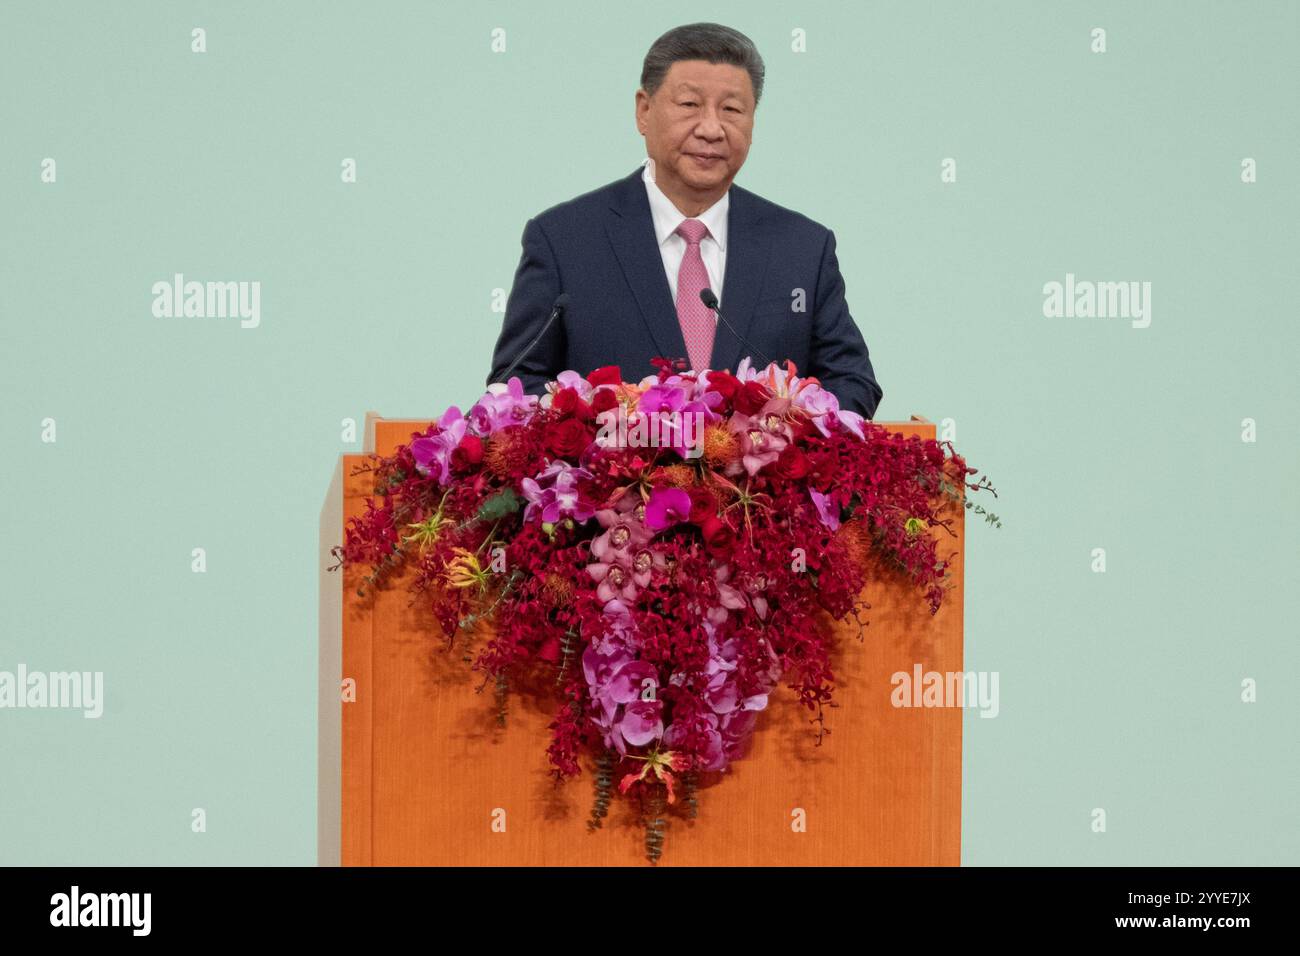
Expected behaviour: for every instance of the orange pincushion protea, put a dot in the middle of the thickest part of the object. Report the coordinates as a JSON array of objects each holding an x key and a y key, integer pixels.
[
  {"x": 720, "y": 446},
  {"x": 675, "y": 476},
  {"x": 558, "y": 590},
  {"x": 855, "y": 538},
  {"x": 504, "y": 454}
]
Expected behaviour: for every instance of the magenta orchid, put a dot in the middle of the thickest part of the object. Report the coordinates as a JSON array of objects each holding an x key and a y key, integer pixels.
[
  {"x": 432, "y": 453},
  {"x": 501, "y": 407},
  {"x": 555, "y": 493},
  {"x": 667, "y": 507}
]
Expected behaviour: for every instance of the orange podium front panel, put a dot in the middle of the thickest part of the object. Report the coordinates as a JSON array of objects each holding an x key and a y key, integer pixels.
[{"x": 416, "y": 771}]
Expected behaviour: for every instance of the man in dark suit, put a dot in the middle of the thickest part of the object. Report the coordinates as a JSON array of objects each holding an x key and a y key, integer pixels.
[{"x": 633, "y": 256}]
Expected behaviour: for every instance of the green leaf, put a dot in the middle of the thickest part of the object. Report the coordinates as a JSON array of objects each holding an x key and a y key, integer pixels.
[{"x": 504, "y": 502}]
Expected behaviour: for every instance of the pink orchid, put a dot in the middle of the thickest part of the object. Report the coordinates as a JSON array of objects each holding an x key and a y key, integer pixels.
[
  {"x": 827, "y": 509},
  {"x": 733, "y": 598},
  {"x": 824, "y": 410},
  {"x": 667, "y": 507},
  {"x": 762, "y": 436},
  {"x": 432, "y": 453},
  {"x": 568, "y": 379},
  {"x": 501, "y": 407},
  {"x": 642, "y": 722},
  {"x": 700, "y": 726},
  {"x": 624, "y": 533},
  {"x": 805, "y": 393},
  {"x": 555, "y": 493},
  {"x": 614, "y": 578}
]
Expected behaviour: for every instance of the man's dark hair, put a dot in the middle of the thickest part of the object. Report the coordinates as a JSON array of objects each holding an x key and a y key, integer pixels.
[{"x": 702, "y": 41}]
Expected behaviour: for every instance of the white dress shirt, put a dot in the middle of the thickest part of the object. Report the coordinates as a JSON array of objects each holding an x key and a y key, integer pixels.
[{"x": 667, "y": 217}]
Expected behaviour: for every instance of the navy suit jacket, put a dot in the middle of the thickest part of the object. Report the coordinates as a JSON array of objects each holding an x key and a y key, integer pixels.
[{"x": 600, "y": 248}]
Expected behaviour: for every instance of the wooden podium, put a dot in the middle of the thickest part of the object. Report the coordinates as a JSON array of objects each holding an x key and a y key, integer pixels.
[{"x": 415, "y": 771}]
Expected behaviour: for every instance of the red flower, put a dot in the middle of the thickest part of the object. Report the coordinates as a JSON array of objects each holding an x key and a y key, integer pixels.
[
  {"x": 567, "y": 438},
  {"x": 467, "y": 455},
  {"x": 751, "y": 397},
  {"x": 667, "y": 366},
  {"x": 724, "y": 383},
  {"x": 704, "y": 504},
  {"x": 792, "y": 464},
  {"x": 719, "y": 539},
  {"x": 603, "y": 400},
  {"x": 568, "y": 404},
  {"x": 721, "y": 576},
  {"x": 801, "y": 426},
  {"x": 550, "y": 649},
  {"x": 821, "y": 469},
  {"x": 606, "y": 375}
]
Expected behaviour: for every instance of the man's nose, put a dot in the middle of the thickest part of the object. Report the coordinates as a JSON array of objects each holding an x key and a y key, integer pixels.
[{"x": 710, "y": 126}]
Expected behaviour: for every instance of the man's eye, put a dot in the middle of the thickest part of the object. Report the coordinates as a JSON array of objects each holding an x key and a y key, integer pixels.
[{"x": 688, "y": 104}]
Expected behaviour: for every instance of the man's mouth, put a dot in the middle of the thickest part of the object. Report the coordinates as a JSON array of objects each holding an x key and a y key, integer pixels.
[{"x": 705, "y": 159}]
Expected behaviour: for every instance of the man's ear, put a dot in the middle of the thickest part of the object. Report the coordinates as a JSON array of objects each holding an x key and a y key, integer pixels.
[{"x": 642, "y": 101}]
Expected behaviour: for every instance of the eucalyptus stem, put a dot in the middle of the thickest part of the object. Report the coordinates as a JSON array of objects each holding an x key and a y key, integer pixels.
[
  {"x": 603, "y": 782},
  {"x": 655, "y": 821}
]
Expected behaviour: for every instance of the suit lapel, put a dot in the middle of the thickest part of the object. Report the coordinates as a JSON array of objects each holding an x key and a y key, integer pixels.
[
  {"x": 632, "y": 235},
  {"x": 631, "y": 232},
  {"x": 747, "y": 251}
]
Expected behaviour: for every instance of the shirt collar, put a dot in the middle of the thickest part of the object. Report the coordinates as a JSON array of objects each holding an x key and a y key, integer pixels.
[{"x": 668, "y": 217}]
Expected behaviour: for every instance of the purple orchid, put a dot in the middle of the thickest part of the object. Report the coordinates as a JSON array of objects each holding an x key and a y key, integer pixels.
[
  {"x": 642, "y": 722},
  {"x": 617, "y": 682},
  {"x": 660, "y": 398},
  {"x": 432, "y": 454},
  {"x": 762, "y": 436},
  {"x": 624, "y": 533},
  {"x": 681, "y": 409},
  {"x": 827, "y": 509},
  {"x": 805, "y": 393},
  {"x": 598, "y": 668},
  {"x": 502, "y": 406},
  {"x": 667, "y": 507},
  {"x": 555, "y": 493},
  {"x": 824, "y": 410},
  {"x": 698, "y": 725},
  {"x": 615, "y": 578},
  {"x": 568, "y": 379},
  {"x": 734, "y": 598},
  {"x": 736, "y": 729},
  {"x": 620, "y": 629},
  {"x": 729, "y": 598}
]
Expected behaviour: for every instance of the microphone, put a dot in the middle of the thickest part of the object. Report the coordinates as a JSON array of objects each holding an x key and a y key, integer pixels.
[
  {"x": 711, "y": 300},
  {"x": 561, "y": 303}
]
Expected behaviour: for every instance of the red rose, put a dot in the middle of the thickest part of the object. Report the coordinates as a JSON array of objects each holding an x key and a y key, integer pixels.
[
  {"x": 467, "y": 454},
  {"x": 792, "y": 464},
  {"x": 550, "y": 649},
  {"x": 703, "y": 505},
  {"x": 719, "y": 539},
  {"x": 724, "y": 383},
  {"x": 751, "y": 397},
  {"x": 603, "y": 400},
  {"x": 567, "y": 402},
  {"x": 567, "y": 438},
  {"x": 606, "y": 375}
]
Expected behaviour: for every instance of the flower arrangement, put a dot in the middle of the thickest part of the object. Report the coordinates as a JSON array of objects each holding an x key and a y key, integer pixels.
[{"x": 659, "y": 552}]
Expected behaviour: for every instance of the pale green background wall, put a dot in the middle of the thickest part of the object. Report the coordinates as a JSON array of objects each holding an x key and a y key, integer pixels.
[{"x": 1118, "y": 690}]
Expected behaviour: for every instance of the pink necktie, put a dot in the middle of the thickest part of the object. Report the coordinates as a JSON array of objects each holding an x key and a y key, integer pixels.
[{"x": 696, "y": 318}]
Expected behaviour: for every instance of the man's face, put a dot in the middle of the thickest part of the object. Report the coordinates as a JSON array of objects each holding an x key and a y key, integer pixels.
[{"x": 698, "y": 126}]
